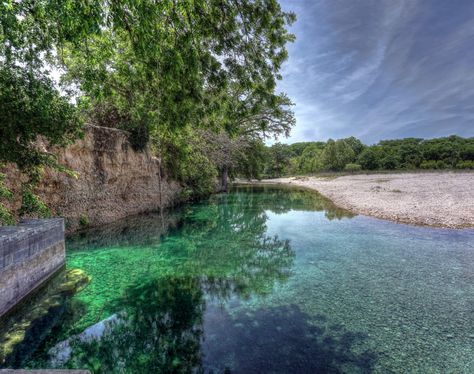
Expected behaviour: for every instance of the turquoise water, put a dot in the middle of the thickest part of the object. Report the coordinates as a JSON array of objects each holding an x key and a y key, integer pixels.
[{"x": 268, "y": 280}]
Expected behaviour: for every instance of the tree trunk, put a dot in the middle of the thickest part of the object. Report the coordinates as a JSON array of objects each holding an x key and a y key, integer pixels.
[{"x": 224, "y": 179}]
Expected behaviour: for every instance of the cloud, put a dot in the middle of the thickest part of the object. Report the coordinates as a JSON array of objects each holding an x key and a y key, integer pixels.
[{"x": 381, "y": 68}]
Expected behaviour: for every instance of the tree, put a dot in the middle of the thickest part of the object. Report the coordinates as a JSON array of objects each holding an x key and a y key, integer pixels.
[
  {"x": 355, "y": 144},
  {"x": 369, "y": 159},
  {"x": 310, "y": 160},
  {"x": 31, "y": 107},
  {"x": 251, "y": 160},
  {"x": 167, "y": 65},
  {"x": 148, "y": 67},
  {"x": 409, "y": 152},
  {"x": 389, "y": 162},
  {"x": 337, "y": 154},
  {"x": 279, "y": 159}
]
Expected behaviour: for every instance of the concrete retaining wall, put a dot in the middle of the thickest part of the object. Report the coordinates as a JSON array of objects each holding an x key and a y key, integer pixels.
[{"x": 30, "y": 253}]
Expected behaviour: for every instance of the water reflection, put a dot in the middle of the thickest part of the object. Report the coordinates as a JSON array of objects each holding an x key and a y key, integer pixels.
[
  {"x": 161, "y": 332},
  {"x": 166, "y": 275},
  {"x": 168, "y": 328},
  {"x": 282, "y": 199}
]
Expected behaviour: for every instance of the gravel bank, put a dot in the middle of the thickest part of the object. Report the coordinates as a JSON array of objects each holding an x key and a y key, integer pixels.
[{"x": 431, "y": 199}]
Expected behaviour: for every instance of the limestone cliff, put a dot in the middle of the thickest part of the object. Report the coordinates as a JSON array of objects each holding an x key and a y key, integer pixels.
[{"x": 113, "y": 181}]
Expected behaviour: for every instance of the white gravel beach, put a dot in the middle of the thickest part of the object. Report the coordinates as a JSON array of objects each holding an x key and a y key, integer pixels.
[{"x": 444, "y": 199}]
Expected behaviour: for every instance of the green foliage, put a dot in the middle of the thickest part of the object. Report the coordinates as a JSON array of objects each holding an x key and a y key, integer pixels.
[
  {"x": 310, "y": 160},
  {"x": 433, "y": 164},
  {"x": 84, "y": 220},
  {"x": 465, "y": 165},
  {"x": 251, "y": 161},
  {"x": 31, "y": 107},
  {"x": 186, "y": 157},
  {"x": 199, "y": 175},
  {"x": 352, "y": 168},
  {"x": 389, "y": 162},
  {"x": 279, "y": 156},
  {"x": 6, "y": 218},
  {"x": 337, "y": 154},
  {"x": 32, "y": 204},
  {"x": 409, "y": 153},
  {"x": 355, "y": 144},
  {"x": 170, "y": 65},
  {"x": 369, "y": 159},
  {"x": 144, "y": 66}
]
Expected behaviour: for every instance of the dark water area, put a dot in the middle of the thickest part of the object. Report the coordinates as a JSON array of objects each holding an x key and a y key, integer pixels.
[{"x": 260, "y": 280}]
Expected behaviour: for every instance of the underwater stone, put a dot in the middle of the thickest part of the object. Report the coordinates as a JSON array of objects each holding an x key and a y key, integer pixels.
[
  {"x": 61, "y": 352},
  {"x": 47, "y": 305}
]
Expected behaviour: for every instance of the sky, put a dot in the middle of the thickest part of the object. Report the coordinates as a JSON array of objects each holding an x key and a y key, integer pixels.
[{"x": 380, "y": 69}]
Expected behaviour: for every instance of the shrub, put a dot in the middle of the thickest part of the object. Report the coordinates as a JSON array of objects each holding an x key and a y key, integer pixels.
[
  {"x": 32, "y": 204},
  {"x": 440, "y": 164},
  {"x": 6, "y": 218},
  {"x": 352, "y": 167},
  {"x": 84, "y": 220},
  {"x": 430, "y": 164},
  {"x": 465, "y": 165}
]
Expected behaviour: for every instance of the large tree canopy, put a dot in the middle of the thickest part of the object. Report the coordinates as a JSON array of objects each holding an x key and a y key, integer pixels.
[
  {"x": 150, "y": 67},
  {"x": 145, "y": 64}
]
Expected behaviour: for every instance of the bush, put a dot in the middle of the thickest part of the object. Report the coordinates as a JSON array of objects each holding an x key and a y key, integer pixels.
[
  {"x": 84, "y": 220},
  {"x": 336, "y": 155},
  {"x": 32, "y": 204},
  {"x": 465, "y": 165},
  {"x": 6, "y": 218},
  {"x": 440, "y": 164},
  {"x": 352, "y": 167},
  {"x": 432, "y": 164}
]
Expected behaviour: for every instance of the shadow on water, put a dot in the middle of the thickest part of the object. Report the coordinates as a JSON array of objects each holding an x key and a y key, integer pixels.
[
  {"x": 167, "y": 327},
  {"x": 280, "y": 340}
]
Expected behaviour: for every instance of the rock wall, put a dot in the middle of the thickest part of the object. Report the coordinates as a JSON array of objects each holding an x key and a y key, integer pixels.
[
  {"x": 30, "y": 253},
  {"x": 113, "y": 181}
]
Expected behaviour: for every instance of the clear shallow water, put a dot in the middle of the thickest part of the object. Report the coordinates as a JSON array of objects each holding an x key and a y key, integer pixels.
[{"x": 269, "y": 280}]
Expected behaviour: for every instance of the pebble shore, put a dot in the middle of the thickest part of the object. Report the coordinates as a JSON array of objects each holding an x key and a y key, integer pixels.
[{"x": 443, "y": 199}]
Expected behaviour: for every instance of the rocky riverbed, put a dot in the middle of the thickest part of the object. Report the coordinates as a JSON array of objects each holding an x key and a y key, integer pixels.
[{"x": 442, "y": 199}]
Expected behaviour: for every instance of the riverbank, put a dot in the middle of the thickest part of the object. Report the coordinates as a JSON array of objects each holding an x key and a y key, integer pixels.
[{"x": 441, "y": 199}]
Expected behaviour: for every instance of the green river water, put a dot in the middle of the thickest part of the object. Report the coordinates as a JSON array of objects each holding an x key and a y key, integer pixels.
[{"x": 261, "y": 280}]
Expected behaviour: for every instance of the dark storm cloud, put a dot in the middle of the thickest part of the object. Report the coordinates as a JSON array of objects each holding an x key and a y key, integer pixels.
[{"x": 380, "y": 69}]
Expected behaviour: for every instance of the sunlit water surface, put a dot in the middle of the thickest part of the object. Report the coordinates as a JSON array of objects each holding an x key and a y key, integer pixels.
[{"x": 268, "y": 280}]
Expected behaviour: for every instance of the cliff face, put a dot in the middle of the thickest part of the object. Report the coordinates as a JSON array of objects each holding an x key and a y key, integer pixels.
[{"x": 113, "y": 181}]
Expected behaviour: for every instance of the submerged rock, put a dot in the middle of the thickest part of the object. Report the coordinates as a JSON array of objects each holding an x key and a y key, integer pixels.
[
  {"x": 61, "y": 352},
  {"x": 39, "y": 314}
]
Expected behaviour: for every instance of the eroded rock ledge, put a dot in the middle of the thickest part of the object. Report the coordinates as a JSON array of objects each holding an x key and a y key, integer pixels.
[{"x": 113, "y": 181}]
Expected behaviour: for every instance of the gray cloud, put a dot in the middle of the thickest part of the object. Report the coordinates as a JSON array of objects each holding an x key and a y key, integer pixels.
[{"x": 379, "y": 69}]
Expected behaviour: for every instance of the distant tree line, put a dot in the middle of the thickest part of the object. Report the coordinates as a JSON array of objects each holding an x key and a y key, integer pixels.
[{"x": 351, "y": 155}]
